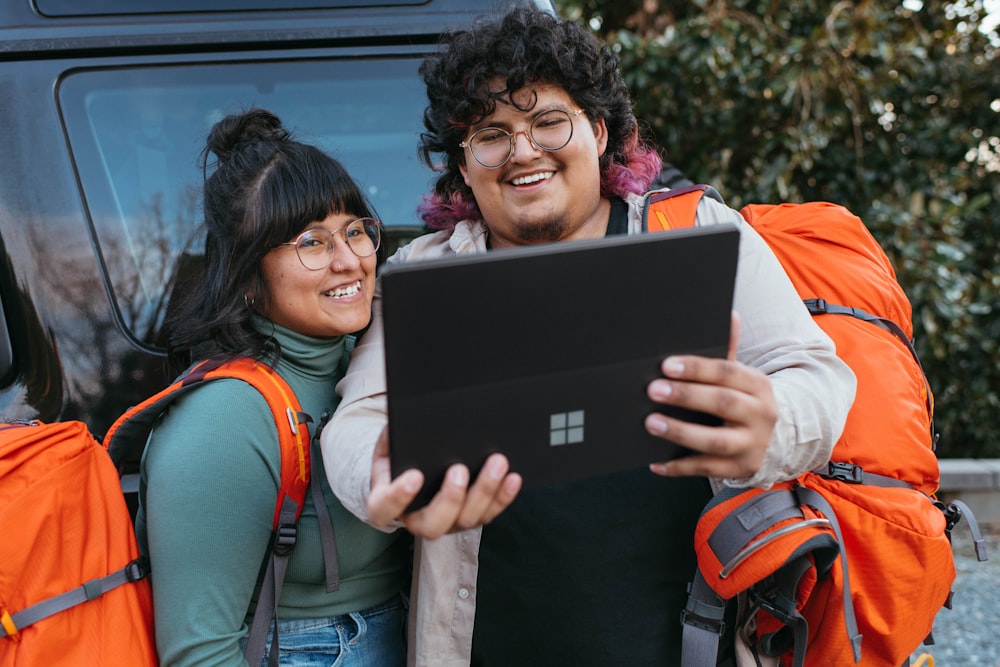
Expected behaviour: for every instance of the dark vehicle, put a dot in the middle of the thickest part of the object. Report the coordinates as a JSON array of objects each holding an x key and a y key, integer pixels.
[{"x": 104, "y": 108}]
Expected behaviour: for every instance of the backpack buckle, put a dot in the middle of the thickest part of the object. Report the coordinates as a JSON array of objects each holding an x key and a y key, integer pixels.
[
  {"x": 844, "y": 472},
  {"x": 777, "y": 605},
  {"x": 705, "y": 616},
  {"x": 816, "y": 306},
  {"x": 284, "y": 540},
  {"x": 137, "y": 569}
]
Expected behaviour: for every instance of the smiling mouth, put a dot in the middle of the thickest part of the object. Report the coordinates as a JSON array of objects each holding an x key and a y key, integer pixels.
[
  {"x": 342, "y": 292},
  {"x": 533, "y": 178}
]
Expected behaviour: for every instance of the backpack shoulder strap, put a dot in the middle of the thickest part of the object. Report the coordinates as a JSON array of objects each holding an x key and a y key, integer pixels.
[
  {"x": 127, "y": 436},
  {"x": 674, "y": 209}
]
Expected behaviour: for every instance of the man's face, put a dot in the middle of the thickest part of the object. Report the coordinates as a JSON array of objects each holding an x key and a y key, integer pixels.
[{"x": 537, "y": 195}]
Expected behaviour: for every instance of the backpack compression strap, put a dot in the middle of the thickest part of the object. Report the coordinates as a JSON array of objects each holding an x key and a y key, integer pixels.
[
  {"x": 821, "y": 307},
  {"x": 11, "y": 624}
]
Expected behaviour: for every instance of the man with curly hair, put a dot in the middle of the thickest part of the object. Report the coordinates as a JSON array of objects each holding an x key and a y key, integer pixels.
[{"x": 539, "y": 143}]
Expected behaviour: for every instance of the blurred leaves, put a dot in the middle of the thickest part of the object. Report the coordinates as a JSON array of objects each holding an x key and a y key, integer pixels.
[{"x": 892, "y": 109}]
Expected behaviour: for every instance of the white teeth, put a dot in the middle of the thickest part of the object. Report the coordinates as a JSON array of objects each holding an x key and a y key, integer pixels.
[
  {"x": 341, "y": 292},
  {"x": 533, "y": 178}
]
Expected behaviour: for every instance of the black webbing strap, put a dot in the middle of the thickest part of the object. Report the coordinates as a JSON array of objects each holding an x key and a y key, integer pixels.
[
  {"x": 852, "y": 473},
  {"x": 270, "y": 590},
  {"x": 327, "y": 537},
  {"x": 274, "y": 575},
  {"x": 703, "y": 619},
  {"x": 953, "y": 513},
  {"x": 780, "y": 602},
  {"x": 818, "y": 502}
]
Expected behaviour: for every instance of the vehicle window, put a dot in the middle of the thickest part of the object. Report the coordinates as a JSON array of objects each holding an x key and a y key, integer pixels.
[
  {"x": 136, "y": 136},
  {"x": 115, "y": 7}
]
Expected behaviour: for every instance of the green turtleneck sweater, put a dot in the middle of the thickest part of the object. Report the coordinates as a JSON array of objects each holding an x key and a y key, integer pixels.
[{"x": 209, "y": 482}]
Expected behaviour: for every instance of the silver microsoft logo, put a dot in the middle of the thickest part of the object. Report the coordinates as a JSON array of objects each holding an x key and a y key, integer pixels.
[{"x": 565, "y": 428}]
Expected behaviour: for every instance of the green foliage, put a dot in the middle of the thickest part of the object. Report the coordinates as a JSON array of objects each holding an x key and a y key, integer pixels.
[{"x": 893, "y": 112}]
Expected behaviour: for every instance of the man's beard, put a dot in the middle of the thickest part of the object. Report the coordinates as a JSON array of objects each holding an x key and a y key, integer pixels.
[{"x": 544, "y": 232}]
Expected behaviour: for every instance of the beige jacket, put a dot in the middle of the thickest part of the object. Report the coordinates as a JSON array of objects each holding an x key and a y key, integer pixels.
[{"x": 814, "y": 391}]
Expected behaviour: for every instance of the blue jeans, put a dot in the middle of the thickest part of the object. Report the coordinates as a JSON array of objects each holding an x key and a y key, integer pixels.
[{"x": 374, "y": 637}]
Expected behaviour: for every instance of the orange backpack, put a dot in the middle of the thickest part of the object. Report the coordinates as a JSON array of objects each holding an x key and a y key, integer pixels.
[
  {"x": 73, "y": 588},
  {"x": 856, "y": 555}
]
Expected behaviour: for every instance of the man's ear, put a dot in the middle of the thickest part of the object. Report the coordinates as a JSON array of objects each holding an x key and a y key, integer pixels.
[
  {"x": 600, "y": 135},
  {"x": 465, "y": 173}
]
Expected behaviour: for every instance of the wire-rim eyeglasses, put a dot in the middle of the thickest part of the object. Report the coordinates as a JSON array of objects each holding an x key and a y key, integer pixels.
[
  {"x": 315, "y": 247},
  {"x": 549, "y": 131}
]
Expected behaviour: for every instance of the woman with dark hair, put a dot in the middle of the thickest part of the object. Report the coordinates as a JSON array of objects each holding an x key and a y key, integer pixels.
[{"x": 290, "y": 259}]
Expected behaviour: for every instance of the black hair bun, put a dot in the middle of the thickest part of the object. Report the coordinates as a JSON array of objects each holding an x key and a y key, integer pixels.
[{"x": 252, "y": 127}]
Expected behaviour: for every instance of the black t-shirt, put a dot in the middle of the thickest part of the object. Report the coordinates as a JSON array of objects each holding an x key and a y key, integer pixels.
[{"x": 593, "y": 572}]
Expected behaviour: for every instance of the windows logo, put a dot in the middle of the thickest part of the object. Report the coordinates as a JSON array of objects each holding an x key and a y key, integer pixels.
[{"x": 565, "y": 428}]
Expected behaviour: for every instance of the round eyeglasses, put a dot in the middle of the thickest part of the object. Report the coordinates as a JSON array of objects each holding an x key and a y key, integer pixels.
[
  {"x": 549, "y": 131},
  {"x": 315, "y": 247}
]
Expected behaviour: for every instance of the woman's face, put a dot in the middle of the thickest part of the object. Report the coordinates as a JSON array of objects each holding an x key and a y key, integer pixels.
[{"x": 331, "y": 301}]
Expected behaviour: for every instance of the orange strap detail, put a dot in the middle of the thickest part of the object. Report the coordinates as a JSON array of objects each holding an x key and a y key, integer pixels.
[
  {"x": 673, "y": 209},
  {"x": 8, "y": 624}
]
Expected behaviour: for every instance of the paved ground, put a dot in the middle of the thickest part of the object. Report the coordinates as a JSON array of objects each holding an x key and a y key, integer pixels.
[{"x": 969, "y": 634}]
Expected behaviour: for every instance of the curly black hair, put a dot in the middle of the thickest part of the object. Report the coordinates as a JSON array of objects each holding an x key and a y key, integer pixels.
[{"x": 525, "y": 46}]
